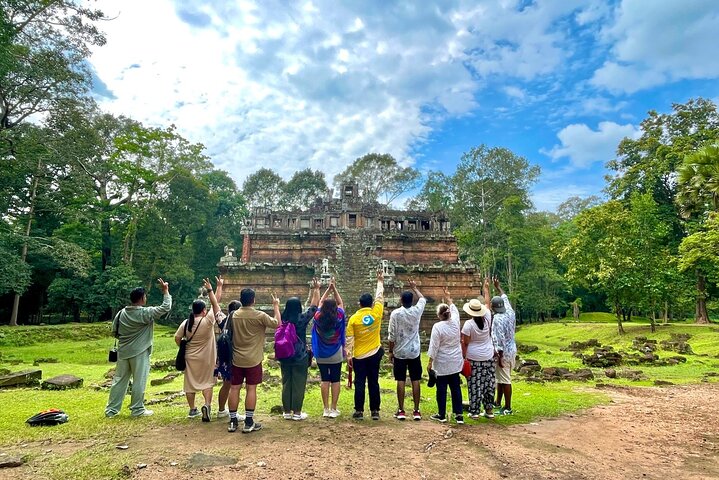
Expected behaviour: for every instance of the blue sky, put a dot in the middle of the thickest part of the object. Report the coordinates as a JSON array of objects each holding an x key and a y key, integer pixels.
[{"x": 296, "y": 84}]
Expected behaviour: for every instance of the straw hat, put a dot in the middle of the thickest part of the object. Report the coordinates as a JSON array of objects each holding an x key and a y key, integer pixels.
[{"x": 475, "y": 308}]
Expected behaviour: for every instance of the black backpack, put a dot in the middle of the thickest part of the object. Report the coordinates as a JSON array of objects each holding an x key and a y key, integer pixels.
[{"x": 224, "y": 343}]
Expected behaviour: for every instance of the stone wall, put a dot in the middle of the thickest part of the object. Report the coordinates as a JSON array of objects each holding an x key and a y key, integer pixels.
[{"x": 285, "y": 262}]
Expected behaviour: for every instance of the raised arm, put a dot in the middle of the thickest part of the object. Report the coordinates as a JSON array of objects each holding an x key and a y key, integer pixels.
[
  {"x": 497, "y": 286},
  {"x": 413, "y": 287},
  {"x": 276, "y": 307},
  {"x": 379, "y": 293},
  {"x": 213, "y": 299},
  {"x": 336, "y": 293},
  {"x": 220, "y": 282},
  {"x": 485, "y": 292},
  {"x": 156, "y": 313},
  {"x": 326, "y": 294},
  {"x": 446, "y": 296},
  {"x": 313, "y": 299}
]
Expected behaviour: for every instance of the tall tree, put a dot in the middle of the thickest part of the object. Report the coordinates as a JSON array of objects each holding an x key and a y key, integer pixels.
[
  {"x": 698, "y": 181},
  {"x": 117, "y": 162},
  {"x": 379, "y": 178},
  {"x": 43, "y": 48},
  {"x": 698, "y": 198},
  {"x": 265, "y": 188},
  {"x": 599, "y": 254},
  {"x": 434, "y": 196},
  {"x": 699, "y": 252},
  {"x": 303, "y": 188},
  {"x": 487, "y": 182}
]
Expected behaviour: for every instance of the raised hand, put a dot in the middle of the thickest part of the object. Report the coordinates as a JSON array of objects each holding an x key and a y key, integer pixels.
[
  {"x": 446, "y": 295},
  {"x": 495, "y": 281},
  {"x": 486, "y": 283},
  {"x": 380, "y": 275},
  {"x": 412, "y": 284},
  {"x": 164, "y": 286},
  {"x": 315, "y": 284},
  {"x": 333, "y": 284},
  {"x": 275, "y": 300},
  {"x": 206, "y": 283},
  {"x": 220, "y": 281}
]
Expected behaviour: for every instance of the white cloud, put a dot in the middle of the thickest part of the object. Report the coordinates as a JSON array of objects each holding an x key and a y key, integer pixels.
[
  {"x": 583, "y": 146},
  {"x": 318, "y": 83},
  {"x": 664, "y": 41},
  {"x": 515, "y": 92}
]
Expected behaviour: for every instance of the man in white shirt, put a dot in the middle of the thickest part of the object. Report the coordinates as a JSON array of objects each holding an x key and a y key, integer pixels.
[
  {"x": 404, "y": 347},
  {"x": 504, "y": 326}
]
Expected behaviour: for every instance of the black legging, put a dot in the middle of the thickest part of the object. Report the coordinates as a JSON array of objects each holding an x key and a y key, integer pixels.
[
  {"x": 455, "y": 388},
  {"x": 367, "y": 369}
]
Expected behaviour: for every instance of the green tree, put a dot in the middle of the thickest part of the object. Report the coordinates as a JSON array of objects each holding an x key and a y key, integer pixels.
[
  {"x": 303, "y": 188},
  {"x": 699, "y": 181},
  {"x": 118, "y": 166},
  {"x": 265, "y": 188},
  {"x": 43, "y": 51},
  {"x": 488, "y": 183},
  {"x": 379, "y": 178},
  {"x": 699, "y": 252},
  {"x": 435, "y": 195},
  {"x": 574, "y": 205},
  {"x": 599, "y": 254}
]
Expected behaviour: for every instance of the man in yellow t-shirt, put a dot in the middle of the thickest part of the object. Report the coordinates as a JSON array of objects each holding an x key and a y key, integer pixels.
[{"x": 365, "y": 349}]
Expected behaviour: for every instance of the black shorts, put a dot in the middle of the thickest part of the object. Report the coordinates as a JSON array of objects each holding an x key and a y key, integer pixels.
[
  {"x": 414, "y": 365},
  {"x": 330, "y": 372}
]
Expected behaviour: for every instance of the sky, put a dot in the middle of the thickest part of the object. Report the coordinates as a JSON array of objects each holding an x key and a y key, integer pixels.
[{"x": 294, "y": 84}]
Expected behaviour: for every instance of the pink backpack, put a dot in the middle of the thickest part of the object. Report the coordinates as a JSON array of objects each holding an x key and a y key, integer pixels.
[{"x": 285, "y": 341}]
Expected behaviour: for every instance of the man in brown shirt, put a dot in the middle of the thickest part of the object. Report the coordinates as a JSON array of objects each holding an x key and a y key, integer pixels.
[{"x": 247, "y": 327}]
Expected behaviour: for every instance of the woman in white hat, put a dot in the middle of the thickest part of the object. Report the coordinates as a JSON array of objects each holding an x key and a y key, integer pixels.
[{"x": 478, "y": 348}]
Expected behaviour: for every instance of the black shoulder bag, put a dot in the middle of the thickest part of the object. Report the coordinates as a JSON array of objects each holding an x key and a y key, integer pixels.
[
  {"x": 112, "y": 355},
  {"x": 180, "y": 363}
]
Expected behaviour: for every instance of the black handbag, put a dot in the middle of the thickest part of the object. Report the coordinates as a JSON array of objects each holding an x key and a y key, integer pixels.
[
  {"x": 180, "y": 363},
  {"x": 112, "y": 354}
]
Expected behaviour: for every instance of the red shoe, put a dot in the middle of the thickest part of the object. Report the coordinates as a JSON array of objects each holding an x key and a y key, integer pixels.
[
  {"x": 400, "y": 415},
  {"x": 416, "y": 416}
]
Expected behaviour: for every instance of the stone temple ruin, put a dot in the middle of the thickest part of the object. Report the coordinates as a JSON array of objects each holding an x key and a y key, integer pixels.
[{"x": 349, "y": 239}]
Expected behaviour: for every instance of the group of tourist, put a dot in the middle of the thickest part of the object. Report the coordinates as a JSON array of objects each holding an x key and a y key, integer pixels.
[{"x": 483, "y": 349}]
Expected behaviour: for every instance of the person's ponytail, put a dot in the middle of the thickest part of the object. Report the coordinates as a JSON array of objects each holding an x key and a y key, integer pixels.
[{"x": 443, "y": 312}]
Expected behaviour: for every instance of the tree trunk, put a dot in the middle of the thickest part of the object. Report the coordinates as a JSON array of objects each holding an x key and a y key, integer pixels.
[
  {"x": 509, "y": 271},
  {"x": 620, "y": 327},
  {"x": 653, "y": 321},
  {"x": 701, "y": 310},
  {"x": 106, "y": 242},
  {"x": 575, "y": 311},
  {"x": 666, "y": 312},
  {"x": 23, "y": 255}
]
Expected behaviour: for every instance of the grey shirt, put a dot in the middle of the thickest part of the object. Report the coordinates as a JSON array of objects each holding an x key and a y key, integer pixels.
[{"x": 135, "y": 329}]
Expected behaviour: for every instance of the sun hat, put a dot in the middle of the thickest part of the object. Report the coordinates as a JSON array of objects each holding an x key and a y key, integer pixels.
[
  {"x": 475, "y": 308},
  {"x": 498, "y": 305}
]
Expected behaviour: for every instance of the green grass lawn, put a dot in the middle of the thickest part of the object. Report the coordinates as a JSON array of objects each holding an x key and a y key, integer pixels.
[
  {"x": 82, "y": 350},
  {"x": 550, "y": 337}
]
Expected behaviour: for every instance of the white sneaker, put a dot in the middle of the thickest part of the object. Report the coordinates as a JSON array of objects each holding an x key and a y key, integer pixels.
[
  {"x": 327, "y": 413},
  {"x": 334, "y": 413},
  {"x": 145, "y": 413},
  {"x": 300, "y": 416},
  {"x": 287, "y": 416},
  {"x": 223, "y": 413}
]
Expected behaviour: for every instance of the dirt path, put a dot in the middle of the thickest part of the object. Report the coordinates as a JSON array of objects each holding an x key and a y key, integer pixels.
[{"x": 653, "y": 433}]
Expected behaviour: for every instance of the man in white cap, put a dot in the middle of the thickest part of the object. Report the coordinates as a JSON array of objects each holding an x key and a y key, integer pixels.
[{"x": 503, "y": 327}]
